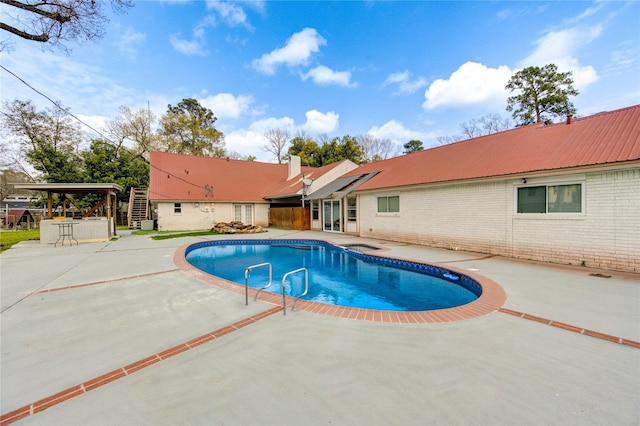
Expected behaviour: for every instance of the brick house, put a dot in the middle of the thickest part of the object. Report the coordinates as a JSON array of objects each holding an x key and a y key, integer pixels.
[{"x": 566, "y": 193}]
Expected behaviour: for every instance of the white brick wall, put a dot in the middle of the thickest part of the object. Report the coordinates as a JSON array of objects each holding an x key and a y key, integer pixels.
[
  {"x": 482, "y": 217},
  {"x": 196, "y": 216}
]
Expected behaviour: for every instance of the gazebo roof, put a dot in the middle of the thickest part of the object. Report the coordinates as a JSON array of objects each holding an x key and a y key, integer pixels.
[{"x": 70, "y": 188}]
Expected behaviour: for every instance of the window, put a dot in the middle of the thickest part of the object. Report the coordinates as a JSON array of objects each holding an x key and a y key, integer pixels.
[
  {"x": 550, "y": 199},
  {"x": 389, "y": 204},
  {"x": 315, "y": 210},
  {"x": 177, "y": 207},
  {"x": 352, "y": 211}
]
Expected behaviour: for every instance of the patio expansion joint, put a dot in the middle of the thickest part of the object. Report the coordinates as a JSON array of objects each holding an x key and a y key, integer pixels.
[
  {"x": 69, "y": 287},
  {"x": 573, "y": 328},
  {"x": 96, "y": 382}
]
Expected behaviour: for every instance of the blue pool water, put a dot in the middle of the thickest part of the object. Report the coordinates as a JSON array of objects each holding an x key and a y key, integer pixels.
[{"x": 336, "y": 275}]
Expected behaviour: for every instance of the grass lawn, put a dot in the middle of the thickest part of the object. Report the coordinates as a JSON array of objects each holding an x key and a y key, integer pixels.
[{"x": 9, "y": 238}]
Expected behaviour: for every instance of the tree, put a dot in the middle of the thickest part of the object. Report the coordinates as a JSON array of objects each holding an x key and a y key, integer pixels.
[
  {"x": 541, "y": 93},
  {"x": 187, "y": 128},
  {"x": 277, "y": 140},
  {"x": 133, "y": 126},
  {"x": 374, "y": 149},
  {"x": 413, "y": 146},
  {"x": 106, "y": 163},
  {"x": 48, "y": 140},
  {"x": 307, "y": 149},
  {"x": 345, "y": 148},
  {"x": 485, "y": 125},
  {"x": 476, "y": 127},
  {"x": 57, "y": 21},
  {"x": 8, "y": 177}
]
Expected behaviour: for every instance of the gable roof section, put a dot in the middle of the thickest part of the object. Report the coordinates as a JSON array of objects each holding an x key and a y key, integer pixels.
[
  {"x": 603, "y": 138},
  {"x": 178, "y": 177},
  {"x": 293, "y": 186}
]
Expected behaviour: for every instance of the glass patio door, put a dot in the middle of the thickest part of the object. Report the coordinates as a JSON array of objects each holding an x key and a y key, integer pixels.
[{"x": 331, "y": 217}]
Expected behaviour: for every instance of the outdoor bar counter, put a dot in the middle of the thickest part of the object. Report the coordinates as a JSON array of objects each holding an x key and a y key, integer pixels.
[{"x": 83, "y": 230}]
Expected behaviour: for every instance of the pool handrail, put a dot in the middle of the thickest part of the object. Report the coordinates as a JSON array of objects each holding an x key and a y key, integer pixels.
[
  {"x": 246, "y": 280},
  {"x": 304, "y": 293}
]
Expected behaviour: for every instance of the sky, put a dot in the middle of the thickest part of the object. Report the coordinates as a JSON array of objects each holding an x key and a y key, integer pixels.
[{"x": 395, "y": 70}]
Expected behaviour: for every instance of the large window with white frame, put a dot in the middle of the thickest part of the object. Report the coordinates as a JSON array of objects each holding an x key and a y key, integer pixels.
[
  {"x": 551, "y": 198},
  {"x": 389, "y": 204}
]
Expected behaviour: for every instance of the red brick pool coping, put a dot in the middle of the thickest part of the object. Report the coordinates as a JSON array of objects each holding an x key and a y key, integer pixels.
[{"x": 491, "y": 300}]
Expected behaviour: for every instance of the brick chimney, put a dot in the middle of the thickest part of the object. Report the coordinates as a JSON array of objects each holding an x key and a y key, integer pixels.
[
  {"x": 294, "y": 167},
  {"x": 569, "y": 117}
]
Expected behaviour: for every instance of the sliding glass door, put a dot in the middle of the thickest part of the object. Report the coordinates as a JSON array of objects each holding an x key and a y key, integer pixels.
[{"x": 331, "y": 217}]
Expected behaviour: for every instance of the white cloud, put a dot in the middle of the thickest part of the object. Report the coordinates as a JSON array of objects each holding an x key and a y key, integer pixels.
[
  {"x": 228, "y": 106},
  {"x": 247, "y": 142},
  {"x": 470, "y": 84},
  {"x": 190, "y": 47},
  {"x": 232, "y": 14},
  {"x": 504, "y": 14},
  {"x": 558, "y": 47},
  {"x": 129, "y": 41},
  {"x": 406, "y": 86},
  {"x": 325, "y": 76},
  {"x": 296, "y": 51},
  {"x": 261, "y": 126},
  {"x": 81, "y": 88},
  {"x": 319, "y": 122},
  {"x": 396, "y": 131}
]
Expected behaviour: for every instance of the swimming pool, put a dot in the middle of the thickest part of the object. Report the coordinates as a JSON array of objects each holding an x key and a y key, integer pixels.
[{"x": 337, "y": 275}]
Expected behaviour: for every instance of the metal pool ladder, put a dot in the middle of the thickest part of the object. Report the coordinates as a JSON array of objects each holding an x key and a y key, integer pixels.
[
  {"x": 306, "y": 289},
  {"x": 246, "y": 280}
]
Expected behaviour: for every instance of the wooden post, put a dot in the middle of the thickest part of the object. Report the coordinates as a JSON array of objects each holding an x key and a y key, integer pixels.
[{"x": 50, "y": 205}]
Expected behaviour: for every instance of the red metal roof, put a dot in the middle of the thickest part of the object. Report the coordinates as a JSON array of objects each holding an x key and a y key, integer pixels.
[
  {"x": 609, "y": 137},
  {"x": 178, "y": 177},
  {"x": 190, "y": 178},
  {"x": 294, "y": 186}
]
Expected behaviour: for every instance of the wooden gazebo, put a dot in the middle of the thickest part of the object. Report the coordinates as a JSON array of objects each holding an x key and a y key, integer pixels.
[{"x": 85, "y": 230}]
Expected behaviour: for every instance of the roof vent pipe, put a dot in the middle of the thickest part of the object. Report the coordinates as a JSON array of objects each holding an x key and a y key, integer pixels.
[{"x": 569, "y": 117}]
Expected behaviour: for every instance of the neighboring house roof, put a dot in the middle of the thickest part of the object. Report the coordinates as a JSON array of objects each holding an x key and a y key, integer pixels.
[
  {"x": 604, "y": 138},
  {"x": 178, "y": 177},
  {"x": 15, "y": 215}
]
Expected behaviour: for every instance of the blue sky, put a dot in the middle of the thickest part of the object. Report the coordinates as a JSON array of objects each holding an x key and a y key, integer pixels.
[{"x": 397, "y": 70}]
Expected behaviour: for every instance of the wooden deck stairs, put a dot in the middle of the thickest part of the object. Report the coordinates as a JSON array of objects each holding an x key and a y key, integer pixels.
[{"x": 138, "y": 207}]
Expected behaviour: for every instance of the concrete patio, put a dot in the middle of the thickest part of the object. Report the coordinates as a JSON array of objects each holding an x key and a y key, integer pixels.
[{"x": 114, "y": 333}]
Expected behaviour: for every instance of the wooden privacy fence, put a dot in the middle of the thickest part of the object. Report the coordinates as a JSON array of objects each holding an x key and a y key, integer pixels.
[{"x": 290, "y": 217}]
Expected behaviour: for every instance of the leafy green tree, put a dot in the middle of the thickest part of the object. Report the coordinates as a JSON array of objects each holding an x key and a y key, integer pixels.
[
  {"x": 542, "y": 93},
  {"x": 188, "y": 128},
  {"x": 48, "y": 139},
  {"x": 338, "y": 149},
  {"x": 307, "y": 149},
  {"x": 105, "y": 163},
  {"x": 413, "y": 146}
]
